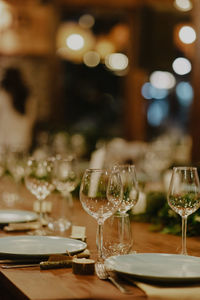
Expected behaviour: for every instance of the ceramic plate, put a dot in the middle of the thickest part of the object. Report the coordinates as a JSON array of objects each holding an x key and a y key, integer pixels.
[
  {"x": 157, "y": 266},
  {"x": 15, "y": 216},
  {"x": 39, "y": 245}
]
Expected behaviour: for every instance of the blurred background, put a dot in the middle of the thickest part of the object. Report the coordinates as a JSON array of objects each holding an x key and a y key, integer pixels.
[{"x": 114, "y": 72}]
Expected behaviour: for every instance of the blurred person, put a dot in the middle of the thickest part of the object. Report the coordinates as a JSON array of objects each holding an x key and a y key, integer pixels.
[{"x": 17, "y": 111}]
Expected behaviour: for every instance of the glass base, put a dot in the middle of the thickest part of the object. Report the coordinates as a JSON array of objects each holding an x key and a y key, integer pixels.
[
  {"x": 60, "y": 225},
  {"x": 40, "y": 231}
]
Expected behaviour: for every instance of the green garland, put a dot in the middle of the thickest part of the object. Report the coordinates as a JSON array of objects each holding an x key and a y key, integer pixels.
[{"x": 164, "y": 219}]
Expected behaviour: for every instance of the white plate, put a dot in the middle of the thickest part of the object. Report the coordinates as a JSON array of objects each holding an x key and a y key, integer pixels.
[
  {"x": 157, "y": 266},
  {"x": 15, "y": 216},
  {"x": 39, "y": 245}
]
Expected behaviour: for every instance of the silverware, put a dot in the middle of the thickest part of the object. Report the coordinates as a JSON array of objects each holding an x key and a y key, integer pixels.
[
  {"x": 20, "y": 266},
  {"x": 20, "y": 261},
  {"x": 44, "y": 265},
  {"x": 104, "y": 274}
]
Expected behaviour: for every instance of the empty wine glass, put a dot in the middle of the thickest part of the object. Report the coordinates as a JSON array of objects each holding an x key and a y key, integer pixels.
[
  {"x": 38, "y": 180},
  {"x": 184, "y": 196},
  {"x": 129, "y": 197},
  {"x": 16, "y": 162},
  {"x": 65, "y": 180},
  {"x": 130, "y": 187},
  {"x": 100, "y": 196}
]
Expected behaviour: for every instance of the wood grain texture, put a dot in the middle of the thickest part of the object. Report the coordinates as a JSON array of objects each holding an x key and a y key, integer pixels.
[{"x": 35, "y": 284}]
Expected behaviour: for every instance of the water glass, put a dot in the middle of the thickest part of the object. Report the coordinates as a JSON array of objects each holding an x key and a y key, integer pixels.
[{"x": 117, "y": 235}]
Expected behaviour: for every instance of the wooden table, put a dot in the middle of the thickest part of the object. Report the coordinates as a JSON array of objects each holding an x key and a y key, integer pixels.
[{"x": 35, "y": 284}]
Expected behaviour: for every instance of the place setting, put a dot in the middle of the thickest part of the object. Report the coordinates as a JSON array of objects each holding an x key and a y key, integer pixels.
[
  {"x": 35, "y": 241},
  {"x": 116, "y": 259},
  {"x": 107, "y": 195}
]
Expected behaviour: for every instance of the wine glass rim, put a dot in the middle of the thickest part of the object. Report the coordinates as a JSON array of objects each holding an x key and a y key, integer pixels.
[
  {"x": 185, "y": 168},
  {"x": 97, "y": 169},
  {"x": 124, "y": 165}
]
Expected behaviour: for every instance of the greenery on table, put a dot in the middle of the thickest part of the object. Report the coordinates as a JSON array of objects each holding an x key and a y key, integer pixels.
[{"x": 163, "y": 218}]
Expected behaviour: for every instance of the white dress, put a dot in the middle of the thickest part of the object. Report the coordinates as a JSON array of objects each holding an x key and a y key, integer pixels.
[{"x": 15, "y": 128}]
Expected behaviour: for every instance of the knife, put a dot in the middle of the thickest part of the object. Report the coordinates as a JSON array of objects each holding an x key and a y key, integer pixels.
[
  {"x": 44, "y": 265},
  {"x": 20, "y": 261},
  {"x": 20, "y": 266}
]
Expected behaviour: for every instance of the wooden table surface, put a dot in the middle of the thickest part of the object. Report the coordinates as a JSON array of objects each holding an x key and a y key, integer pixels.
[{"x": 35, "y": 284}]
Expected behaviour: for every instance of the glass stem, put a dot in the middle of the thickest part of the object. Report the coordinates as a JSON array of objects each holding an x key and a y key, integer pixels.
[
  {"x": 40, "y": 212},
  {"x": 99, "y": 241},
  {"x": 122, "y": 227},
  {"x": 184, "y": 230}
]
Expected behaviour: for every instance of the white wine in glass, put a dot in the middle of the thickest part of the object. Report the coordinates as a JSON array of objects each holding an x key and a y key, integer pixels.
[{"x": 184, "y": 196}]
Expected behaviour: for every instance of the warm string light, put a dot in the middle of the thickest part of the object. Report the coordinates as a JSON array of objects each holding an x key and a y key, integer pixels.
[
  {"x": 181, "y": 66},
  {"x": 183, "y": 5},
  {"x": 162, "y": 80},
  {"x": 76, "y": 42},
  {"x": 187, "y": 34},
  {"x": 91, "y": 59}
]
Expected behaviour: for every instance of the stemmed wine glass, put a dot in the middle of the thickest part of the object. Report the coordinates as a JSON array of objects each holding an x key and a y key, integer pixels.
[
  {"x": 100, "y": 196},
  {"x": 38, "y": 180},
  {"x": 15, "y": 162},
  {"x": 129, "y": 198},
  {"x": 130, "y": 187},
  {"x": 184, "y": 196},
  {"x": 65, "y": 180}
]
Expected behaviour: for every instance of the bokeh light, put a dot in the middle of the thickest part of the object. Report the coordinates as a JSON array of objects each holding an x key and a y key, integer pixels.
[
  {"x": 146, "y": 90},
  {"x": 120, "y": 35},
  {"x": 162, "y": 80},
  {"x": 187, "y": 34},
  {"x": 157, "y": 112},
  {"x": 5, "y": 16},
  {"x": 91, "y": 59},
  {"x": 184, "y": 93},
  {"x": 183, "y": 5},
  {"x": 86, "y": 21},
  {"x": 75, "y": 41},
  {"x": 150, "y": 92},
  {"x": 181, "y": 66},
  {"x": 104, "y": 47},
  {"x": 116, "y": 61}
]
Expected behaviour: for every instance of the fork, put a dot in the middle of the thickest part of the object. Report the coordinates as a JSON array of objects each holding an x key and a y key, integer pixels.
[{"x": 104, "y": 274}]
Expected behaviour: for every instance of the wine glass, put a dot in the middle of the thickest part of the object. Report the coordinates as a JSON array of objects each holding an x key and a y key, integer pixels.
[
  {"x": 65, "y": 180},
  {"x": 100, "y": 196},
  {"x": 16, "y": 163},
  {"x": 129, "y": 197},
  {"x": 130, "y": 187},
  {"x": 38, "y": 180},
  {"x": 184, "y": 196}
]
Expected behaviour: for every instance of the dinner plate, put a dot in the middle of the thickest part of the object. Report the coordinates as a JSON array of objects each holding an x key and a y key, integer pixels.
[
  {"x": 39, "y": 245},
  {"x": 157, "y": 266},
  {"x": 16, "y": 216}
]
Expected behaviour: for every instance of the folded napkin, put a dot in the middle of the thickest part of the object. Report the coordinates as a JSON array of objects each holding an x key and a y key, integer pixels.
[
  {"x": 78, "y": 233},
  {"x": 22, "y": 226},
  {"x": 191, "y": 292}
]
